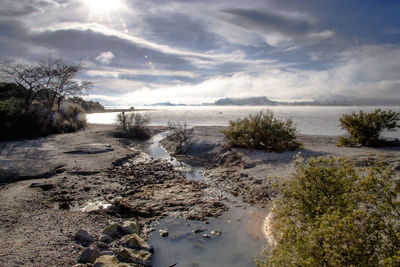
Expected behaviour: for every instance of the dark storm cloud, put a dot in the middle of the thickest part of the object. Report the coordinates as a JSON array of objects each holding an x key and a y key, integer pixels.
[
  {"x": 289, "y": 27},
  {"x": 268, "y": 21},
  {"x": 181, "y": 31},
  {"x": 19, "y": 8},
  {"x": 13, "y": 28}
]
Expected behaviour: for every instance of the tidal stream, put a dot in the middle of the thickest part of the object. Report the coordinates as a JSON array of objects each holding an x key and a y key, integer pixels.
[{"x": 198, "y": 243}]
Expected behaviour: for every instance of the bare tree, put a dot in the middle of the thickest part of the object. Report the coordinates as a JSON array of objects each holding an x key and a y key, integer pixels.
[
  {"x": 23, "y": 75},
  {"x": 181, "y": 133},
  {"x": 52, "y": 81}
]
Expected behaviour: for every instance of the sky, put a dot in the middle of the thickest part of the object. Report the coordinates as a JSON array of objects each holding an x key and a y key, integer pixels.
[{"x": 197, "y": 51}]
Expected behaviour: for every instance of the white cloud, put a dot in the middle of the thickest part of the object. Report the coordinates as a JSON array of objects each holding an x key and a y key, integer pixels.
[
  {"x": 105, "y": 57},
  {"x": 370, "y": 71}
]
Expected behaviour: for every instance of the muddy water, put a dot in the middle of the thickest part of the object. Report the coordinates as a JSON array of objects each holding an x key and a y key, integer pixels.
[{"x": 196, "y": 243}]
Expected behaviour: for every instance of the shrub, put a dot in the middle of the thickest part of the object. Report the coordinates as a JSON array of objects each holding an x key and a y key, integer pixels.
[
  {"x": 71, "y": 118},
  {"x": 180, "y": 133},
  {"x": 262, "y": 131},
  {"x": 330, "y": 214},
  {"x": 366, "y": 128},
  {"x": 133, "y": 125}
]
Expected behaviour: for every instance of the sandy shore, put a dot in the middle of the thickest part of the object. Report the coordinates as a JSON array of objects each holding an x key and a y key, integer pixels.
[{"x": 38, "y": 224}]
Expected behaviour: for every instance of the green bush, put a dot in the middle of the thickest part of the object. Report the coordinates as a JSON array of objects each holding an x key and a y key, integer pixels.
[
  {"x": 330, "y": 214},
  {"x": 366, "y": 128},
  {"x": 71, "y": 118},
  {"x": 262, "y": 131},
  {"x": 133, "y": 125}
]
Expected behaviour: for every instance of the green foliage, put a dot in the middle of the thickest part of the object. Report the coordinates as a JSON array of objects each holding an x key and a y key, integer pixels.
[
  {"x": 71, "y": 118},
  {"x": 330, "y": 214},
  {"x": 366, "y": 128},
  {"x": 133, "y": 125},
  {"x": 88, "y": 106},
  {"x": 262, "y": 131},
  {"x": 32, "y": 97}
]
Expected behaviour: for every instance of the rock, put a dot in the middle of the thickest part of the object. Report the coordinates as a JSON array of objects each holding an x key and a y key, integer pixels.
[
  {"x": 244, "y": 175},
  {"x": 63, "y": 206},
  {"x": 141, "y": 257},
  {"x": 43, "y": 186},
  {"x": 163, "y": 233},
  {"x": 129, "y": 227},
  {"x": 89, "y": 255},
  {"x": 216, "y": 232},
  {"x": 196, "y": 231},
  {"x": 83, "y": 237},
  {"x": 109, "y": 261},
  {"x": 106, "y": 239},
  {"x": 103, "y": 246},
  {"x": 112, "y": 230},
  {"x": 206, "y": 236},
  {"x": 106, "y": 252},
  {"x": 136, "y": 242},
  {"x": 249, "y": 165}
]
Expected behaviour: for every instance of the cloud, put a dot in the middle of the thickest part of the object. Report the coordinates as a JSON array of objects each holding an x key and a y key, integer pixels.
[
  {"x": 353, "y": 76},
  {"x": 105, "y": 57},
  {"x": 279, "y": 28}
]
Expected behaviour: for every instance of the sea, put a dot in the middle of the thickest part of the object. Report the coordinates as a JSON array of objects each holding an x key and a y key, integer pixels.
[{"x": 318, "y": 120}]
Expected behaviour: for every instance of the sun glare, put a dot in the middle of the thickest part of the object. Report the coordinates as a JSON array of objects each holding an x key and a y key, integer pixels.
[{"x": 103, "y": 6}]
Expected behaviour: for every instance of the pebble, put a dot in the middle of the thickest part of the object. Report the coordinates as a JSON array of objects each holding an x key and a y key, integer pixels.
[
  {"x": 83, "y": 237},
  {"x": 216, "y": 232},
  {"x": 89, "y": 255},
  {"x": 163, "y": 233}
]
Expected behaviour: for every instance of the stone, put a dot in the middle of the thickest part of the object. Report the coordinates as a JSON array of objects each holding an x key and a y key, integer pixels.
[
  {"x": 106, "y": 239},
  {"x": 112, "y": 230},
  {"x": 103, "y": 246},
  {"x": 249, "y": 165},
  {"x": 206, "y": 236},
  {"x": 244, "y": 175},
  {"x": 163, "y": 233},
  {"x": 129, "y": 227},
  {"x": 89, "y": 255},
  {"x": 136, "y": 242},
  {"x": 216, "y": 232},
  {"x": 83, "y": 237},
  {"x": 141, "y": 257},
  {"x": 106, "y": 252},
  {"x": 109, "y": 261},
  {"x": 196, "y": 231},
  {"x": 43, "y": 186}
]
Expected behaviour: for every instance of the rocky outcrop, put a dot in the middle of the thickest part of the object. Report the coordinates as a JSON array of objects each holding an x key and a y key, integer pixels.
[{"x": 119, "y": 245}]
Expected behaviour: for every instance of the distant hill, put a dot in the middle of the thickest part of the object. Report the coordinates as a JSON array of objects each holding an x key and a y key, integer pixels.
[
  {"x": 250, "y": 101},
  {"x": 332, "y": 100},
  {"x": 336, "y": 100}
]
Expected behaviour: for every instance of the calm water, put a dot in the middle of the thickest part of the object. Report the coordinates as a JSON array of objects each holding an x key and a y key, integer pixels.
[{"x": 308, "y": 119}]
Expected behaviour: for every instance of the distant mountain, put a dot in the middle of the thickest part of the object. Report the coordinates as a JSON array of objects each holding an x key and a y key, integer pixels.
[
  {"x": 334, "y": 100},
  {"x": 340, "y": 100},
  {"x": 331, "y": 100},
  {"x": 166, "y": 104},
  {"x": 250, "y": 101}
]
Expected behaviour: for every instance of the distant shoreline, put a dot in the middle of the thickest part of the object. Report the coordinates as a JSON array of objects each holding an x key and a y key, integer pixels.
[{"x": 117, "y": 110}]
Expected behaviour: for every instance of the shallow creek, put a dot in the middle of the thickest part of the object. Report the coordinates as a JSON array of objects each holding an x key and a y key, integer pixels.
[{"x": 197, "y": 243}]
